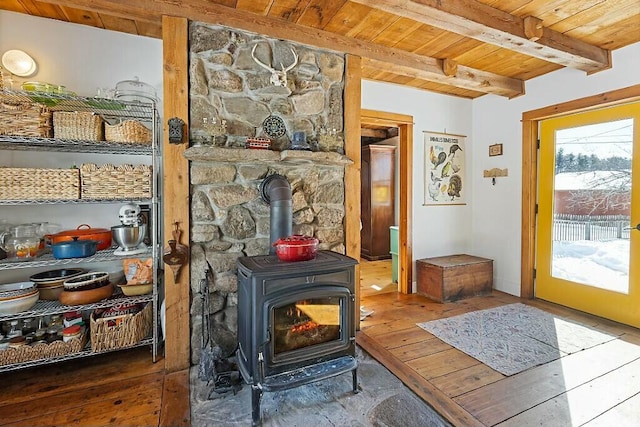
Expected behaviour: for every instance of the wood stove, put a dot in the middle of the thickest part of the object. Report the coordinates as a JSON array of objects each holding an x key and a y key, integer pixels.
[{"x": 296, "y": 322}]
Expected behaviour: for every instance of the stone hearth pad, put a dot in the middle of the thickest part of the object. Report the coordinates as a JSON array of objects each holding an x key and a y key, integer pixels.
[{"x": 383, "y": 401}]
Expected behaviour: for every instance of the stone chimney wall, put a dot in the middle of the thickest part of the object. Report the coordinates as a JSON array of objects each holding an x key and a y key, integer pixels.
[{"x": 228, "y": 217}]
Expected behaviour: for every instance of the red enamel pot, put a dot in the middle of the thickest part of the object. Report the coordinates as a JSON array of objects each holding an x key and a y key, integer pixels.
[
  {"x": 297, "y": 247},
  {"x": 85, "y": 232}
]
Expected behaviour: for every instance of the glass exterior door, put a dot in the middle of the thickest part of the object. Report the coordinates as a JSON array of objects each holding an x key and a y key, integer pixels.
[{"x": 588, "y": 211}]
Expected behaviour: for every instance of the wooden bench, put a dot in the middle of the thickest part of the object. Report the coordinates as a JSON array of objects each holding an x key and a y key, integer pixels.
[{"x": 453, "y": 277}]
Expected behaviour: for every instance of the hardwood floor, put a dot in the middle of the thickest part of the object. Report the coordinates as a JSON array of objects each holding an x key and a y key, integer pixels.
[
  {"x": 115, "y": 389},
  {"x": 375, "y": 277},
  {"x": 594, "y": 387}
]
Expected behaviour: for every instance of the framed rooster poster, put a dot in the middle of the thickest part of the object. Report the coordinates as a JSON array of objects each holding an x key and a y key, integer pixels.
[{"x": 444, "y": 169}]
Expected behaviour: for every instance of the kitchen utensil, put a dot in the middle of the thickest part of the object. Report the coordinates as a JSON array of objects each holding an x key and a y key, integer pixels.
[
  {"x": 18, "y": 289},
  {"x": 296, "y": 247},
  {"x": 17, "y": 305},
  {"x": 176, "y": 255},
  {"x": 20, "y": 242},
  {"x": 129, "y": 214},
  {"x": 85, "y": 232},
  {"x": 50, "y": 293},
  {"x": 134, "y": 290},
  {"x": 135, "y": 90},
  {"x": 56, "y": 275},
  {"x": 86, "y": 281},
  {"x": 87, "y": 296},
  {"x": 208, "y": 355},
  {"x": 129, "y": 239},
  {"x": 74, "y": 249}
]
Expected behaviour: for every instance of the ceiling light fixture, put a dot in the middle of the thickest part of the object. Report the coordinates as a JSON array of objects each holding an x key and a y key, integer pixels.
[{"x": 19, "y": 63}]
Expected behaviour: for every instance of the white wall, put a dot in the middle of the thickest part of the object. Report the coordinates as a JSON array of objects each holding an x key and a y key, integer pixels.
[
  {"x": 82, "y": 59},
  {"x": 79, "y": 57},
  {"x": 496, "y": 210},
  {"x": 437, "y": 230}
]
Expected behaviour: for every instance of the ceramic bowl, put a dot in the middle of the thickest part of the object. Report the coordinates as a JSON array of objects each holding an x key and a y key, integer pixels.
[
  {"x": 19, "y": 304},
  {"x": 92, "y": 280},
  {"x": 55, "y": 276},
  {"x": 50, "y": 293},
  {"x": 16, "y": 290},
  {"x": 133, "y": 290},
  {"x": 89, "y": 296}
]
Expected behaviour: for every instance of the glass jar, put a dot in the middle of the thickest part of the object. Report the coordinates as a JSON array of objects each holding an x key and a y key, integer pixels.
[
  {"x": 56, "y": 320},
  {"x": 14, "y": 330},
  {"x": 54, "y": 333},
  {"x": 28, "y": 325}
]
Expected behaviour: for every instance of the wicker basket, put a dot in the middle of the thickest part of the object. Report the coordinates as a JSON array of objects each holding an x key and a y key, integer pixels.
[
  {"x": 128, "y": 131},
  {"x": 84, "y": 126},
  {"x": 39, "y": 184},
  {"x": 27, "y": 353},
  {"x": 131, "y": 329},
  {"x": 115, "y": 182},
  {"x": 24, "y": 118}
]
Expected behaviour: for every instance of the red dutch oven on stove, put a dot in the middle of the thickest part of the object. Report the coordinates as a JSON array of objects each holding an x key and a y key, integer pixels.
[
  {"x": 297, "y": 247},
  {"x": 85, "y": 232}
]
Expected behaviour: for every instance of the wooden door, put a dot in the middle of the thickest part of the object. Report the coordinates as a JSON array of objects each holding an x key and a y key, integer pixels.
[{"x": 378, "y": 200}]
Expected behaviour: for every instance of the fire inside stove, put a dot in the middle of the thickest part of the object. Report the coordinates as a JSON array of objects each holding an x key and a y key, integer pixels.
[{"x": 306, "y": 323}]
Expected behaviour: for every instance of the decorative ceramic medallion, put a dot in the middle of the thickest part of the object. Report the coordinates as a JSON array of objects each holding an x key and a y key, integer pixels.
[{"x": 274, "y": 126}]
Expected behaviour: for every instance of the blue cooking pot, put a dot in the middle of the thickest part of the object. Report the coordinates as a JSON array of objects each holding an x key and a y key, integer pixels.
[{"x": 74, "y": 248}]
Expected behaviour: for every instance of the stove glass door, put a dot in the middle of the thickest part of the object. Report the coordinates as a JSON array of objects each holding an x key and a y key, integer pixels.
[{"x": 306, "y": 322}]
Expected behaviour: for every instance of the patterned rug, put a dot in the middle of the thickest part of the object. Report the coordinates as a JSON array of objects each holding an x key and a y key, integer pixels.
[{"x": 515, "y": 337}]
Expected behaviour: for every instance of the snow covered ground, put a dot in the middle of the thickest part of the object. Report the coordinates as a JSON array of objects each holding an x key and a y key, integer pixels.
[{"x": 604, "y": 264}]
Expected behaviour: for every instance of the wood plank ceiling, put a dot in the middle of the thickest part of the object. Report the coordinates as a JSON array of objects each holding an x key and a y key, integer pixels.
[{"x": 463, "y": 48}]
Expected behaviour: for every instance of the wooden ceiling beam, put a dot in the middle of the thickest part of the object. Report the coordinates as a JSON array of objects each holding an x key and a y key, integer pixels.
[
  {"x": 467, "y": 78},
  {"x": 490, "y": 25},
  {"x": 392, "y": 59}
]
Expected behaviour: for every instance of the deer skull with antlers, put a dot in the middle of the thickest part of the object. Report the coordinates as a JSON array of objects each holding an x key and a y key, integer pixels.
[{"x": 278, "y": 78}]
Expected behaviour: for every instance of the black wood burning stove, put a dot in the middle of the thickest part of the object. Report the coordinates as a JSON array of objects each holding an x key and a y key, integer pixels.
[{"x": 296, "y": 322}]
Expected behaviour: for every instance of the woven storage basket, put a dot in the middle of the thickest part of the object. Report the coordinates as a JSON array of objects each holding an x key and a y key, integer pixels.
[
  {"x": 42, "y": 351},
  {"x": 115, "y": 182},
  {"x": 131, "y": 329},
  {"x": 85, "y": 126},
  {"x": 39, "y": 184},
  {"x": 128, "y": 131},
  {"x": 24, "y": 118}
]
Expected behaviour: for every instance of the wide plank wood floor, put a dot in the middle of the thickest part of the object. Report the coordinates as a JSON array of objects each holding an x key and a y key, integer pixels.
[
  {"x": 599, "y": 386},
  {"x": 122, "y": 388},
  {"x": 376, "y": 277}
]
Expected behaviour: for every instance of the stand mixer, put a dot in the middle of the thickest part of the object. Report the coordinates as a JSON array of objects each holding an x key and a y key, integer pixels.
[{"x": 131, "y": 233}]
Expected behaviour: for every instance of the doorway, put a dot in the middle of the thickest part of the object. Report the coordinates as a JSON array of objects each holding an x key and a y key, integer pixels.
[
  {"x": 379, "y": 209},
  {"x": 532, "y": 175},
  {"x": 370, "y": 119},
  {"x": 585, "y": 236}
]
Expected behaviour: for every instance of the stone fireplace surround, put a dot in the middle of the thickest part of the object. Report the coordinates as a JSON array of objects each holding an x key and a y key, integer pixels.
[{"x": 228, "y": 217}]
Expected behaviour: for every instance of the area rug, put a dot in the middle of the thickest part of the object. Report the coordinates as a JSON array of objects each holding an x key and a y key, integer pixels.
[{"x": 515, "y": 337}]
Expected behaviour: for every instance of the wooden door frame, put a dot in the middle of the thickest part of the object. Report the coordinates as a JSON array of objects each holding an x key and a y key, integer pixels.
[
  {"x": 405, "y": 124},
  {"x": 530, "y": 122}
]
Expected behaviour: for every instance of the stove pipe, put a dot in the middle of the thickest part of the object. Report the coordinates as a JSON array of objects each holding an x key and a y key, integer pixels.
[{"x": 276, "y": 191}]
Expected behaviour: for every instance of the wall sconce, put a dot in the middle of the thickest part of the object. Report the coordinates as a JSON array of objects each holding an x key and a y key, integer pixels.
[{"x": 19, "y": 63}]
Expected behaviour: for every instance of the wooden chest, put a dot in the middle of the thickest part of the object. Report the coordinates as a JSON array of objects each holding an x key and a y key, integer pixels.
[{"x": 450, "y": 278}]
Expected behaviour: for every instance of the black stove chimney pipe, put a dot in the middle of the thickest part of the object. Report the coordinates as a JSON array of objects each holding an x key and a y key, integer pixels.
[{"x": 276, "y": 191}]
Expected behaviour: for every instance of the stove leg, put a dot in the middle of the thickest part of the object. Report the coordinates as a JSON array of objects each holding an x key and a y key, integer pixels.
[
  {"x": 256, "y": 396},
  {"x": 354, "y": 374}
]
